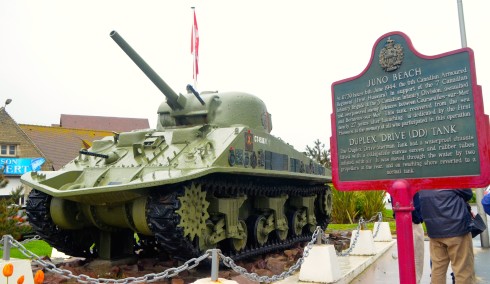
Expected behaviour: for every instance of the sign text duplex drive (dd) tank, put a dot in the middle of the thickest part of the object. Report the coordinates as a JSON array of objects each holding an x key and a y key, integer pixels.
[{"x": 210, "y": 175}]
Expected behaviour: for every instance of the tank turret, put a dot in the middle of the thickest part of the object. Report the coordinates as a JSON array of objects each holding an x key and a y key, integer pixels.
[{"x": 210, "y": 175}]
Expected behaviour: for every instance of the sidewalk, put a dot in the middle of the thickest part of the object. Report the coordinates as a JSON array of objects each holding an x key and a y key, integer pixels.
[
  {"x": 352, "y": 266},
  {"x": 385, "y": 269}
]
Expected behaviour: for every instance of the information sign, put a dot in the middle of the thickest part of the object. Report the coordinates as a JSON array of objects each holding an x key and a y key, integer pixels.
[{"x": 410, "y": 116}]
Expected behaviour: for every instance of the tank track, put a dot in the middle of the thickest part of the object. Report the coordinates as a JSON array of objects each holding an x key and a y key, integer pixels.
[
  {"x": 163, "y": 222},
  {"x": 163, "y": 218},
  {"x": 71, "y": 242}
]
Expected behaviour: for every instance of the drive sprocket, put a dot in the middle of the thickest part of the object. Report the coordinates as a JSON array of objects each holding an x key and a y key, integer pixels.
[{"x": 193, "y": 211}]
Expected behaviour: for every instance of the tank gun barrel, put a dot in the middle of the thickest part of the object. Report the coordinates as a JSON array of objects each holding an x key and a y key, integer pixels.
[{"x": 173, "y": 100}]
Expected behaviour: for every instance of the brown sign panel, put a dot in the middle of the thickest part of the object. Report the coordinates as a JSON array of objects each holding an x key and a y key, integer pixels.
[{"x": 411, "y": 117}]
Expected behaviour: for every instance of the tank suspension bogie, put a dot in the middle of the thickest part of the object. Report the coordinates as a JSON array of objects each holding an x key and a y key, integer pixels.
[
  {"x": 226, "y": 210},
  {"x": 275, "y": 207},
  {"x": 306, "y": 205},
  {"x": 267, "y": 216},
  {"x": 216, "y": 234},
  {"x": 240, "y": 242}
]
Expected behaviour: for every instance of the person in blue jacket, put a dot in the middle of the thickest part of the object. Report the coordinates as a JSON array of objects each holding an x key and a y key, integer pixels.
[
  {"x": 446, "y": 216},
  {"x": 486, "y": 203}
]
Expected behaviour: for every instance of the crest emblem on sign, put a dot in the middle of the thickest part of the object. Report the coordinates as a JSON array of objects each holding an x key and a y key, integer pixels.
[{"x": 391, "y": 56}]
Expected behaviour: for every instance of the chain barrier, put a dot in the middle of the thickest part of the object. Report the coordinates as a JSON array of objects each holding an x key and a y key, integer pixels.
[
  {"x": 152, "y": 277},
  {"x": 380, "y": 219},
  {"x": 353, "y": 243},
  {"x": 318, "y": 234},
  {"x": 362, "y": 224},
  {"x": 255, "y": 277},
  {"x": 82, "y": 278}
]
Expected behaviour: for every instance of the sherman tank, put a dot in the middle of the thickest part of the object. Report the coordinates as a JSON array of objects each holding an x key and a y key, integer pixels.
[{"x": 210, "y": 175}]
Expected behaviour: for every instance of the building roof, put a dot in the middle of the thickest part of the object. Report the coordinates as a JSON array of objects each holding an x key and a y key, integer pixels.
[
  {"x": 118, "y": 124},
  {"x": 59, "y": 144},
  {"x": 10, "y": 132}
]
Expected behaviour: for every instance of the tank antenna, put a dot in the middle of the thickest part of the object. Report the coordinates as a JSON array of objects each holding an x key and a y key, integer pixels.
[{"x": 191, "y": 89}]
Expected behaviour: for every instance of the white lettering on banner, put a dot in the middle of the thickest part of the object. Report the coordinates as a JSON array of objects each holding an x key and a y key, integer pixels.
[
  {"x": 8, "y": 161},
  {"x": 16, "y": 170}
]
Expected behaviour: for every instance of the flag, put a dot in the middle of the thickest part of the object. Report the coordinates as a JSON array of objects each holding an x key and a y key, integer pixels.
[{"x": 195, "y": 48}]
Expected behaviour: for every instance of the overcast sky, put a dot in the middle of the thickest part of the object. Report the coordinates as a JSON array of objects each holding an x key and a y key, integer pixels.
[{"x": 56, "y": 57}]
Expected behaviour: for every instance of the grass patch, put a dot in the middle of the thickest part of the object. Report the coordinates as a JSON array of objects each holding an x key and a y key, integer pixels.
[
  {"x": 40, "y": 248},
  {"x": 350, "y": 227},
  {"x": 387, "y": 217}
]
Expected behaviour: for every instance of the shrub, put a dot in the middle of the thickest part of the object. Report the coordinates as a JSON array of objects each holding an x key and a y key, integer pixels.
[
  {"x": 12, "y": 216},
  {"x": 371, "y": 202},
  {"x": 344, "y": 206},
  {"x": 349, "y": 206}
]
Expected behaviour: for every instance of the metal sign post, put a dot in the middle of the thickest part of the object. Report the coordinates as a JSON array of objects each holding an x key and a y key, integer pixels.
[{"x": 403, "y": 207}]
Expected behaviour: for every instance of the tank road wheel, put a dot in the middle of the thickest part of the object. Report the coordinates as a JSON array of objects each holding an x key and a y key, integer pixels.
[
  {"x": 239, "y": 244},
  {"x": 297, "y": 221},
  {"x": 257, "y": 226},
  {"x": 193, "y": 212}
]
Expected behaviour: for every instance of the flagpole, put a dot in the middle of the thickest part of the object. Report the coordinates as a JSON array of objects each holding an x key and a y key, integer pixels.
[
  {"x": 479, "y": 191},
  {"x": 462, "y": 30}
]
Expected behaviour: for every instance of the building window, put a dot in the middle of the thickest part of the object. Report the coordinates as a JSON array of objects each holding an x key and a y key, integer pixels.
[{"x": 8, "y": 150}]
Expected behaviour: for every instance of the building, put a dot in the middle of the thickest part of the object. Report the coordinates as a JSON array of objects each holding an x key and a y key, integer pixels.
[
  {"x": 18, "y": 154},
  {"x": 25, "y": 148},
  {"x": 117, "y": 124}
]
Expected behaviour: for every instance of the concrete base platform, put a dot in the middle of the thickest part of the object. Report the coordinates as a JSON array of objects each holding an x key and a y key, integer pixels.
[
  {"x": 386, "y": 271},
  {"x": 350, "y": 266}
]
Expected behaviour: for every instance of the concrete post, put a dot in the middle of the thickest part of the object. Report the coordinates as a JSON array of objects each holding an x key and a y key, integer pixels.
[{"x": 6, "y": 247}]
